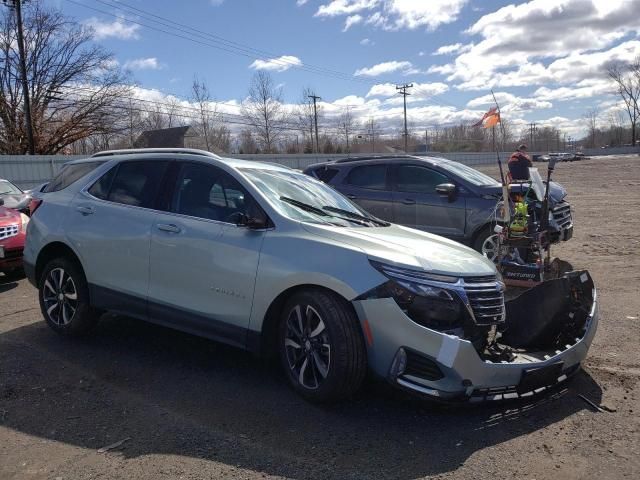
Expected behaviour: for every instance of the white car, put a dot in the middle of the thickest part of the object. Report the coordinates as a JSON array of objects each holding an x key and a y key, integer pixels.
[{"x": 271, "y": 260}]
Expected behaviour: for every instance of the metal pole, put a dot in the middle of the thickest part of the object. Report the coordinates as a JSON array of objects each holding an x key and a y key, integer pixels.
[
  {"x": 403, "y": 91},
  {"x": 17, "y": 4},
  {"x": 315, "y": 116}
]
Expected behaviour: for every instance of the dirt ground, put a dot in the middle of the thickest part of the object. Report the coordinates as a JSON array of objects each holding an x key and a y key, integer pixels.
[{"x": 190, "y": 408}]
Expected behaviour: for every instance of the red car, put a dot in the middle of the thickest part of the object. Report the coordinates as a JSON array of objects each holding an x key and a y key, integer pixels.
[{"x": 13, "y": 230}]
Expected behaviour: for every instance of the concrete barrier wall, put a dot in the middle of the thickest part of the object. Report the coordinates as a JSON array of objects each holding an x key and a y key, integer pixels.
[{"x": 30, "y": 171}]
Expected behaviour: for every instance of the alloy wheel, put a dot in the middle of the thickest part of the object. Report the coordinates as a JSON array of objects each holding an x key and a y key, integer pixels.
[
  {"x": 490, "y": 248},
  {"x": 60, "y": 296},
  {"x": 307, "y": 346}
]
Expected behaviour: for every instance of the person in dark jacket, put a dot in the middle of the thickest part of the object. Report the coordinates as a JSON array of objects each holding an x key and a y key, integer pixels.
[{"x": 519, "y": 164}]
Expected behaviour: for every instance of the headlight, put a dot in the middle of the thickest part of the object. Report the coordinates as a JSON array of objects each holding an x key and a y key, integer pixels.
[
  {"x": 25, "y": 221},
  {"x": 428, "y": 299}
]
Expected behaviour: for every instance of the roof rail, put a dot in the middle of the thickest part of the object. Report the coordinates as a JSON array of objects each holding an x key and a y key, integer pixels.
[
  {"x": 372, "y": 157},
  {"x": 129, "y": 151}
]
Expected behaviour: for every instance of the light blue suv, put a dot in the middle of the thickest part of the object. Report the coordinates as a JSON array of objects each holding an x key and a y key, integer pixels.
[{"x": 273, "y": 261}]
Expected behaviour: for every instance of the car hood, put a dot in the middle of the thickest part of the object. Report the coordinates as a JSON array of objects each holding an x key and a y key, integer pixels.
[
  {"x": 8, "y": 215},
  {"x": 412, "y": 248},
  {"x": 556, "y": 192},
  {"x": 17, "y": 201}
]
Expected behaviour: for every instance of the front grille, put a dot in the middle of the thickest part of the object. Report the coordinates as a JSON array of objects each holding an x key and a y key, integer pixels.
[
  {"x": 422, "y": 367},
  {"x": 562, "y": 215},
  {"x": 9, "y": 231},
  {"x": 486, "y": 299}
]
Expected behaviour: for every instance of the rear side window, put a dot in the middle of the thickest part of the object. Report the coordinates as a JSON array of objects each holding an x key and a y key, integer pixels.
[
  {"x": 69, "y": 174},
  {"x": 418, "y": 179},
  {"x": 369, "y": 176},
  {"x": 325, "y": 174},
  {"x": 131, "y": 183}
]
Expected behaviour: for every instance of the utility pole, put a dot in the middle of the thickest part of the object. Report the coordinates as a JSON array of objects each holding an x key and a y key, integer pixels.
[
  {"x": 532, "y": 134},
  {"x": 402, "y": 90},
  {"x": 17, "y": 6},
  {"x": 373, "y": 137},
  {"x": 426, "y": 141},
  {"x": 315, "y": 116}
]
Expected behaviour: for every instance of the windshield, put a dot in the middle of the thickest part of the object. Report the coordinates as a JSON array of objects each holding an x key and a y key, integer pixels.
[
  {"x": 8, "y": 188},
  {"x": 301, "y": 197},
  {"x": 471, "y": 174}
]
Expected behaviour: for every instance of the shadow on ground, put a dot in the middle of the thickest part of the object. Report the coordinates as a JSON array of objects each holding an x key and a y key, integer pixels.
[{"x": 177, "y": 394}]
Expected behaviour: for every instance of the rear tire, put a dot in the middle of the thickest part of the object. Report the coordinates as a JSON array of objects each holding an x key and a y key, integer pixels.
[
  {"x": 64, "y": 298},
  {"x": 321, "y": 346}
]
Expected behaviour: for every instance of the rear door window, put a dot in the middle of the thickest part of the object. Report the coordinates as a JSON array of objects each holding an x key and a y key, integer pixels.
[
  {"x": 69, "y": 174},
  {"x": 131, "y": 183},
  {"x": 373, "y": 177}
]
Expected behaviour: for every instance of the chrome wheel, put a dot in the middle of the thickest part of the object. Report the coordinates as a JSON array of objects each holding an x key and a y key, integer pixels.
[
  {"x": 490, "y": 247},
  {"x": 60, "y": 297},
  {"x": 307, "y": 346}
]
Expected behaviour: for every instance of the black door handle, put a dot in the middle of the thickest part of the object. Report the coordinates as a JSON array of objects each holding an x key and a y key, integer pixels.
[
  {"x": 351, "y": 196},
  {"x": 409, "y": 201}
]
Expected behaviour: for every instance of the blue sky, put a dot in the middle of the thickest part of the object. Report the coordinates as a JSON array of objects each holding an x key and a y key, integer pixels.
[{"x": 544, "y": 59}]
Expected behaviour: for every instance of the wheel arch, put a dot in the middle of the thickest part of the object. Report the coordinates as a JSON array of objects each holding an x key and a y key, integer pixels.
[
  {"x": 265, "y": 342},
  {"x": 55, "y": 250}
]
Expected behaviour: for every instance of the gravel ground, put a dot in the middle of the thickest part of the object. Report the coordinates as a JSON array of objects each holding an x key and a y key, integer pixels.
[{"x": 174, "y": 406}]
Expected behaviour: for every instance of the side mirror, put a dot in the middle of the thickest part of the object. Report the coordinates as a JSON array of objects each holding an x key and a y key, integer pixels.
[
  {"x": 446, "y": 189},
  {"x": 252, "y": 223},
  {"x": 552, "y": 163},
  {"x": 1, "y": 202}
]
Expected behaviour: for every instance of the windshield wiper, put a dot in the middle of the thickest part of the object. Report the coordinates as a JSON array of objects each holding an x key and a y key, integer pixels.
[
  {"x": 321, "y": 211},
  {"x": 357, "y": 216},
  {"x": 305, "y": 206}
]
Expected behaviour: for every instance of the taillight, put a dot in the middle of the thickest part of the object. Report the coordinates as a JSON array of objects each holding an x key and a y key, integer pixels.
[{"x": 34, "y": 204}]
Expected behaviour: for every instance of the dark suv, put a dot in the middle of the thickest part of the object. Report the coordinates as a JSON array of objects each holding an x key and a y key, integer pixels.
[{"x": 433, "y": 194}]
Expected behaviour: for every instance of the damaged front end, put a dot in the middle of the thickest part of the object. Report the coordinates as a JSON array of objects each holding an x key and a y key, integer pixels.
[{"x": 464, "y": 341}]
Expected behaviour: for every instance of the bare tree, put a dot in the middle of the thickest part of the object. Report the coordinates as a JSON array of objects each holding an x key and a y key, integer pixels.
[
  {"x": 206, "y": 113},
  {"x": 173, "y": 110},
  {"x": 75, "y": 87},
  {"x": 627, "y": 81},
  {"x": 264, "y": 111},
  {"x": 590, "y": 119},
  {"x": 247, "y": 142},
  {"x": 346, "y": 127}
]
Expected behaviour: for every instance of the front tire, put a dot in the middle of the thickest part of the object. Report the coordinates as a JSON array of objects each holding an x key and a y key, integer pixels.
[
  {"x": 486, "y": 243},
  {"x": 321, "y": 347},
  {"x": 64, "y": 298}
]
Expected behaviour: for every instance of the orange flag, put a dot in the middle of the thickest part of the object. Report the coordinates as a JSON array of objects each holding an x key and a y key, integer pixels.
[{"x": 490, "y": 119}]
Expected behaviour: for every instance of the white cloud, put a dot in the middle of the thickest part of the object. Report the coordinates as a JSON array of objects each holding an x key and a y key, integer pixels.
[
  {"x": 510, "y": 103},
  {"x": 583, "y": 89},
  {"x": 382, "y": 68},
  {"x": 301, "y": 2},
  {"x": 150, "y": 63},
  {"x": 351, "y": 20},
  {"x": 216, "y": 3},
  {"x": 397, "y": 14},
  {"x": 544, "y": 41},
  {"x": 344, "y": 7},
  {"x": 116, "y": 29},
  {"x": 367, "y": 41},
  {"x": 280, "y": 64},
  {"x": 448, "y": 49}
]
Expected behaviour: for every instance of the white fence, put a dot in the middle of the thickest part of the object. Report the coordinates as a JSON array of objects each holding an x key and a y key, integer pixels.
[{"x": 30, "y": 171}]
